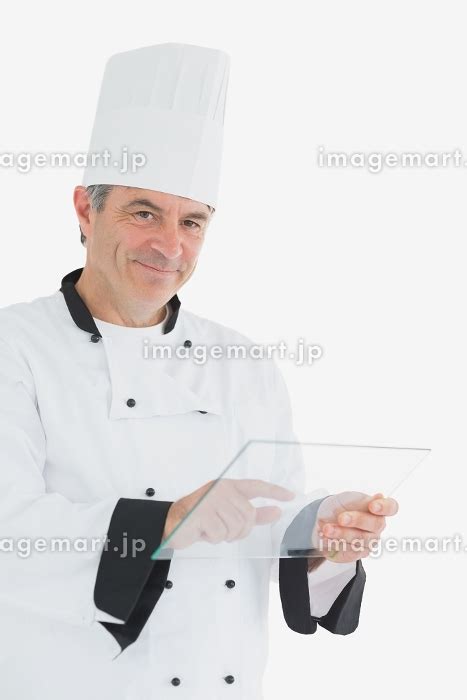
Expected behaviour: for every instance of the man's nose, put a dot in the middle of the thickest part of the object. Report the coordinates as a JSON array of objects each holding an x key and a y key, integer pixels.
[{"x": 167, "y": 240}]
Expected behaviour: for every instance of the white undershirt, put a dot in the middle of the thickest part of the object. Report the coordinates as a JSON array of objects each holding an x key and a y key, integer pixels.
[{"x": 132, "y": 332}]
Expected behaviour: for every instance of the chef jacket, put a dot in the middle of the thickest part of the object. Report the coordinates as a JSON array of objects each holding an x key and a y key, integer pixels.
[{"x": 97, "y": 441}]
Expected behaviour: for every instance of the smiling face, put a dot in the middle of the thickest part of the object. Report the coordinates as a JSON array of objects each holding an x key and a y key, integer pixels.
[{"x": 144, "y": 245}]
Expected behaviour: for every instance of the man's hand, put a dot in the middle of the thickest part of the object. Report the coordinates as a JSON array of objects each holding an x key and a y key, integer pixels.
[
  {"x": 349, "y": 523},
  {"x": 222, "y": 512}
]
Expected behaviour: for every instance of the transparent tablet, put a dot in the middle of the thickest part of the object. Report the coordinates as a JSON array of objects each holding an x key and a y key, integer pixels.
[{"x": 266, "y": 498}]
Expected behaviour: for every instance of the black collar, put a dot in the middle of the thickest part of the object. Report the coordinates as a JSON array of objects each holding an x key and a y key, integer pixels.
[{"x": 83, "y": 317}]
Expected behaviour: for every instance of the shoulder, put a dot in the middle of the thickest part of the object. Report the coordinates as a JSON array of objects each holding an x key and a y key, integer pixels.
[{"x": 26, "y": 321}]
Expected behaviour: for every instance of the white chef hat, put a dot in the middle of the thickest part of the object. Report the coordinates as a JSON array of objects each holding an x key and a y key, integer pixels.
[{"x": 166, "y": 102}]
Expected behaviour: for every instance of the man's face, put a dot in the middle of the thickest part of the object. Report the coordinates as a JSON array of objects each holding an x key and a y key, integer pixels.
[{"x": 145, "y": 243}]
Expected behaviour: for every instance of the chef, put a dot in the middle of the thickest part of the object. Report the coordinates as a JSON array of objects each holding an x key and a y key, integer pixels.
[{"x": 104, "y": 450}]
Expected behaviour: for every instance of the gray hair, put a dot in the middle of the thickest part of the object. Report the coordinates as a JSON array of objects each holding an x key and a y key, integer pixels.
[{"x": 98, "y": 195}]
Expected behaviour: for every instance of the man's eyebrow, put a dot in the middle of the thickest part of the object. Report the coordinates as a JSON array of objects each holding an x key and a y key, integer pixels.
[{"x": 147, "y": 203}]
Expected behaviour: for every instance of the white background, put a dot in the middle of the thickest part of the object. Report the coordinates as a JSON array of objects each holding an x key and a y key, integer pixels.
[{"x": 369, "y": 266}]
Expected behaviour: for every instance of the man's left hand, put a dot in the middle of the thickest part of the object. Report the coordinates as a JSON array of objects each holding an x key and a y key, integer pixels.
[{"x": 349, "y": 524}]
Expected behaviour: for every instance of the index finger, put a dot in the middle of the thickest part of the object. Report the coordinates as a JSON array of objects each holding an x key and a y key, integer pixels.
[{"x": 252, "y": 488}]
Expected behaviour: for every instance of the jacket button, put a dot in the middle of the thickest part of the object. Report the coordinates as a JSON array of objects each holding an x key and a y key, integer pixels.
[
  {"x": 168, "y": 584},
  {"x": 175, "y": 681},
  {"x": 187, "y": 344},
  {"x": 229, "y": 679},
  {"x": 131, "y": 403},
  {"x": 202, "y": 411},
  {"x": 94, "y": 338},
  {"x": 230, "y": 583},
  {"x": 150, "y": 492}
]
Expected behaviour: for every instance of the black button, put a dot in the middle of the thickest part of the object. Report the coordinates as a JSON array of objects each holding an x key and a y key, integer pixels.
[
  {"x": 150, "y": 492},
  {"x": 202, "y": 411},
  {"x": 94, "y": 338},
  {"x": 229, "y": 679},
  {"x": 187, "y": 344},
  {"x": 131, "y": 403},
  {"x": 230, "y": 583},
  {"x": 175, "y": 681},
  {"x": 168, "y": 584}
]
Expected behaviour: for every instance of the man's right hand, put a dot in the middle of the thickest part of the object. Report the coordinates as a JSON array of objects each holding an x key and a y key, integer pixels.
[{"x": 222, "y": 511}]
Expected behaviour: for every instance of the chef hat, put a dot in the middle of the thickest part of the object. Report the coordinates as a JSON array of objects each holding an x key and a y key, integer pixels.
[{"x": 166, "y": 102}]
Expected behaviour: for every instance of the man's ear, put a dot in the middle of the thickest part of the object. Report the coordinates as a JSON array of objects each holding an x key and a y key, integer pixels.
[{"x": 82, "y": 206}]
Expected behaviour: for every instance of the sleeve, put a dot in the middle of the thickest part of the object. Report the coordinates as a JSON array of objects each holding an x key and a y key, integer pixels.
[
  {"x": 331, "y": 594},
  {"x": 327, "y": 579},
  {"x": 342, "y": 617},
  {"x": 326, "y": 583},
  {"x": 128, "y": 587},
  {"x": 60, "y": 558}
]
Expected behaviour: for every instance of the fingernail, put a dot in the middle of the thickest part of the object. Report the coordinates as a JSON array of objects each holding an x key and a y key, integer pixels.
[
  {"x": 345, "y": 519},
  {"x": 376, "y": 506}
]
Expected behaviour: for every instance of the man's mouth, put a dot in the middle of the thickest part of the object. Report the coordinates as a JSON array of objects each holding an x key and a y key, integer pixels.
[{"x": 156, "y": 269}]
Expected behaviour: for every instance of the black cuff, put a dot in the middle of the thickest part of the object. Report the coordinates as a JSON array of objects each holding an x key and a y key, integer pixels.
[
  {"x": 297, "y": 537},
  {"x": 128, "y": 586},
  {"x": 293, "y": 572},
  {"x": 344, "y": 613},
  {"x": 295, "y": 595}
]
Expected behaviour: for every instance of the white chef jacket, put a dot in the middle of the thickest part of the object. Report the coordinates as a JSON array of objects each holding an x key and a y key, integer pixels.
[{"x": 97, "y": 441}]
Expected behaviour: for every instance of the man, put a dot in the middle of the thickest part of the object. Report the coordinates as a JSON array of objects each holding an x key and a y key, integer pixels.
[{"x": 100, "y": 443}]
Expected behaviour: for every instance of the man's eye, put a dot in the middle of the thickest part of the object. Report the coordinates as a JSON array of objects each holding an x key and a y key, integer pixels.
[
  {"x": 191, "y": 222},
  {"x": 142, "y": 214}
]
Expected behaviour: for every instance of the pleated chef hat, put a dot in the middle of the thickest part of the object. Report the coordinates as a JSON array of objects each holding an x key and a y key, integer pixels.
[{"x": 167, "y": 102}]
